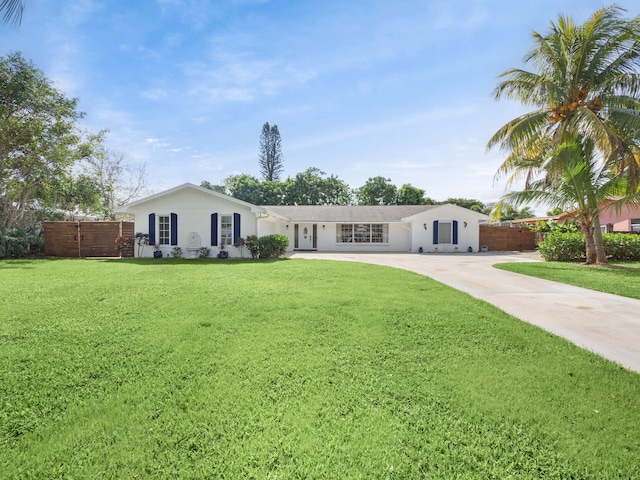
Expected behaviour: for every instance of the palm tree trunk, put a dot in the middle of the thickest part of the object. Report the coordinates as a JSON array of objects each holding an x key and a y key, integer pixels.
[
  {"x": 601, "y": 255},
  {"x": 590, "y": 245}
]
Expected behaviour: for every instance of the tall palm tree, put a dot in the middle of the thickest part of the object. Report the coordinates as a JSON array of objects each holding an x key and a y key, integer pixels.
[
  {"x": 576, "y": 180},
  {"x": 12, "y": 11},
  {"x": 585, "y": 86}
]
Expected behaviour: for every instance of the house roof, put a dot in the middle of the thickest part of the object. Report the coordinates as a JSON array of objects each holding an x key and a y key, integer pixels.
[
  {"x": 125, "y": 208},
  {"x": 346, "y": 213}
]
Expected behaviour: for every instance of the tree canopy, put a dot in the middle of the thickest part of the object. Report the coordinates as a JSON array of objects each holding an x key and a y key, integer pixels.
[
  {"x": 377, "y": 191},
  {"x": 39, "y": 140}
]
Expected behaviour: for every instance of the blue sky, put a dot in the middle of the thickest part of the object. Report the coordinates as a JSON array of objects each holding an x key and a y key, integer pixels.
[{"x": 398, "y": 88}]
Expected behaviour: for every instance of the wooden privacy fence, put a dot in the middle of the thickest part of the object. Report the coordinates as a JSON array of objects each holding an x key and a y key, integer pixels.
[
  {"x": 507, "y": 239},
  {"x": 86, "y": 239}
]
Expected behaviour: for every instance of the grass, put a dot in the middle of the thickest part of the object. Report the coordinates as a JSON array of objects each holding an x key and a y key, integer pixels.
[
  {"x": 623, "y": 279},
  {"x": 292, "y": 369}
]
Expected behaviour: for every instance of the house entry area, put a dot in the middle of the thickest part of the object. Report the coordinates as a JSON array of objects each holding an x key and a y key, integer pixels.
[{"x": 305, "y": 236}]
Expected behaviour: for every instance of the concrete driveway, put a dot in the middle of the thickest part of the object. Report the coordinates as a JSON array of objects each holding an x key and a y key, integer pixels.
[{"x": 606, "y": 324}]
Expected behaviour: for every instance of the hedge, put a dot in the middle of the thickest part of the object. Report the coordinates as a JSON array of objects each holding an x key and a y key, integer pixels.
[{"x": 570, "y": 247}]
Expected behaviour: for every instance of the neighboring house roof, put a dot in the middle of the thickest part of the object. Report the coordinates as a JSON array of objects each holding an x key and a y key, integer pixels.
[
  {"x": 350, "y": 213},
  {"x": 125, "y": 208}
]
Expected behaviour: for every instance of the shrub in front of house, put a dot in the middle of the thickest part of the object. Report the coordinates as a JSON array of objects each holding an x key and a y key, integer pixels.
[
  {"x": 563, "y": 247},
  {"x": 570, "y": 247},
  {"x": 251, "y": 242},
  {"x": 272, "y": 246},
  {"x": 622, "y": 246}
]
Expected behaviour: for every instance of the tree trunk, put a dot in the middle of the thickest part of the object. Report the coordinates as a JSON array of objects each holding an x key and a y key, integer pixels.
[
  {"x": 590, "y": 245},
  {"x": 601, "y": 255}
]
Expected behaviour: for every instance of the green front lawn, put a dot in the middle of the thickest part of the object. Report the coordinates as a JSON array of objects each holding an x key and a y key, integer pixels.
[
  {"x": 620, "y": 279},
  {"x": 292, "y": 369}
]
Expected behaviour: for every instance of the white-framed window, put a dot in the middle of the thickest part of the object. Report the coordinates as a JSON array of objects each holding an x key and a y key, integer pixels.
[
  {"x": 164, "y": 229},
  {"x": 444, "y": 232},
  {"x": 635, "y": 224},
  {"x": 226, "y": 229},
  {"x": 362, "y": 233}
]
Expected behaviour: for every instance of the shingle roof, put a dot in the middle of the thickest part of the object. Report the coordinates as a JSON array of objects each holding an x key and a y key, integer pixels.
[{"x": 337, "y": 213}]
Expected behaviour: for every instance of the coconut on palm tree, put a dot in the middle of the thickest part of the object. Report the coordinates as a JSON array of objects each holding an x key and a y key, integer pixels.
[{"x": 585, "y": 88}]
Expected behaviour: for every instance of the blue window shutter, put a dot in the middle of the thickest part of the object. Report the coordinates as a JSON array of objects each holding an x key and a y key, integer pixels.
[
  {"x": 214, "y": 229},
  {"x": 435, "y": 232},
  {"x": 174, "y": 229},
  {"x": 236, "y": 227},
  {"x": 152, "y": 229},
  {"x": 455, "y": 232}
]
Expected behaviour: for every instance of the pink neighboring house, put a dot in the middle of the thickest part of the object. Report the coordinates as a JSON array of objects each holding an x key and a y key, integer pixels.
[{"x": 627, "y": 219}]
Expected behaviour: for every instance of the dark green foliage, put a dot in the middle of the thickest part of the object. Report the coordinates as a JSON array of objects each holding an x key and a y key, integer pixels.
[
  {"x": 270, "y": 158},
  {"x": 563, "y": 247},
  {"x": 410, "y": 195},
  {"x": 622, "y": 246},
  {"x": 570, "y": 247},
  {"x": 313, "y": 187},
  {"x": 20, "y": 242},
  {"x": 543, "y": 226},
  {"x": 251, "y": 242},
  {"x": 272, "y": 246},
  {"x": 39, "y": 145},
  {"x": 470, "y": 203},
  {"x": 377, "y": 191}
]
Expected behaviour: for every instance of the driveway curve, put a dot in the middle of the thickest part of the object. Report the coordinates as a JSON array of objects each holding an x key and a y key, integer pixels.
[{"x": 606, "y": 324}]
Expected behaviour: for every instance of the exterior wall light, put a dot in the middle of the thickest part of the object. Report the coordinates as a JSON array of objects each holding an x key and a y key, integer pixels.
[
  {"x": 465, "y": 224},
  {"x": 424, "y": 225}
]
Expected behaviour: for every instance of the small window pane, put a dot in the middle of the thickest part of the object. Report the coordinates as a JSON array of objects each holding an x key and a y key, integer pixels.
[
  {"x": 379, "y": 233},
  {"x": 164, "y": 235},
  {"x": 226, "y": 230},
  {"x": 444, "y": 232},
  {"x": 362, "y": 233},
  {"x": 345, "y": 233}
]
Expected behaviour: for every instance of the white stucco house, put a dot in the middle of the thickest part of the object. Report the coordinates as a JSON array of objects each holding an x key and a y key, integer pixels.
[{"x": 191, "y": 217}]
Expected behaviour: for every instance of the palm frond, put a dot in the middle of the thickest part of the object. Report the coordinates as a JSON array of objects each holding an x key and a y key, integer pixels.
[{"x": 12, "y": 11}]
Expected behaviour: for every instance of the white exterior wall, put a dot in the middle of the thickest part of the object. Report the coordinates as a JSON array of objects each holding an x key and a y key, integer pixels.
[
  {"x": 399, "y": 236},
  {"x": 468, "y": 236},
  {"x": 194, "y": 209}
]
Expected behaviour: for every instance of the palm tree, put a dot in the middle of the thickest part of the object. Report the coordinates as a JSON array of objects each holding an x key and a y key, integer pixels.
[
  {"x": 585, "y": 86},
  {"x": 576, "y": 180},
  {"x": 12, "y": 11}
]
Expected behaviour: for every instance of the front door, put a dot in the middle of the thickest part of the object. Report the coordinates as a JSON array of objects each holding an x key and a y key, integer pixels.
[{"x": 305, "y": 236}]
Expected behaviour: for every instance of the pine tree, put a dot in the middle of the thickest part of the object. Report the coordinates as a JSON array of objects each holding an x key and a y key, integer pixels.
[{"x": 270, "y": 158}]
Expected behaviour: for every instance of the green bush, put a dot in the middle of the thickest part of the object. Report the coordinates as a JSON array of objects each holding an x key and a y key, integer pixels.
[
  {"x": 563, "y": 247},
  {"x": 622, "y": 246},
  {"x": 251, "y": 242},
  {"x": 570, "y": 247},
  {"x": 273, "y": 246},
  {"x": 20, "y": 242}
]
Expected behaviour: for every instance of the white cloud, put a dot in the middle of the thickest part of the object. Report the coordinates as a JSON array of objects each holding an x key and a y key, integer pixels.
[
  {"x": 155, "y": 94},
  {"x": 78, "y": 12}
]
